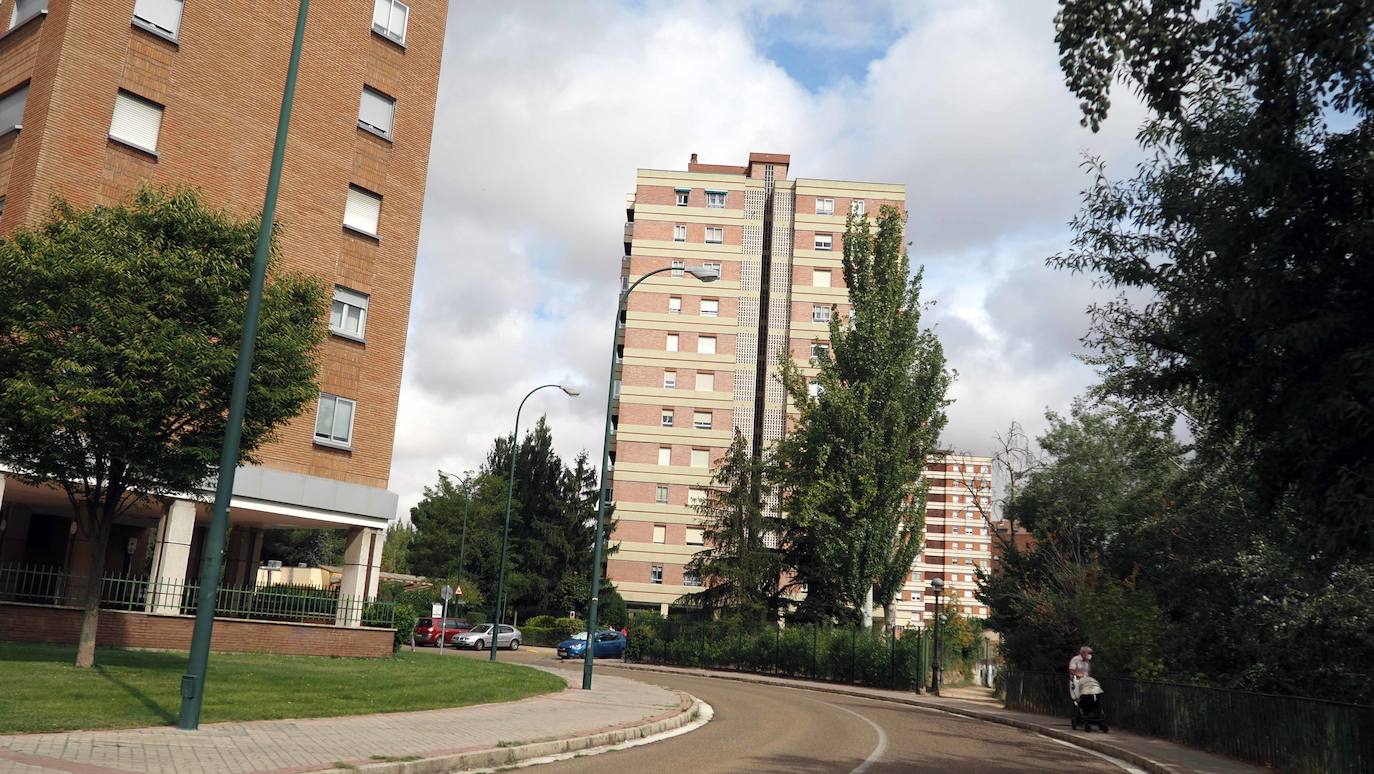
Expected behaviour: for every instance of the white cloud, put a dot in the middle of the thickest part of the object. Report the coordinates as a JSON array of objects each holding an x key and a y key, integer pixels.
[{"x": 547, "y": 109}]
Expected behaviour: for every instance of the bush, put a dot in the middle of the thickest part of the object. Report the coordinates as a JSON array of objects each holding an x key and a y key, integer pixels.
[
  {"x": 611, "y": 610},
  {"x": 540, "y": 622}
]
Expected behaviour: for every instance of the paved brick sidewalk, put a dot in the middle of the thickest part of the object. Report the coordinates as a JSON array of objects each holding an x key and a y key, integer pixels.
[
  {"x": 297, "y": 746},
  {"x": 1155, "y": 755}
]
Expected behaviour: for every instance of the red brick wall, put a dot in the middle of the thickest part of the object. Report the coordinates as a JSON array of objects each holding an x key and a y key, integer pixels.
[{"x": 38, "y": 623}]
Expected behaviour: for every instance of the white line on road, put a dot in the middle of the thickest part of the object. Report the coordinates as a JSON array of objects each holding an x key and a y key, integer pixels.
[
  {"x": 1114, "y": 761},
  {"x": 878, "y": 751}
]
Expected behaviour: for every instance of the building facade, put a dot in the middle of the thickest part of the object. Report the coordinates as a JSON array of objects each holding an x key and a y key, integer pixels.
[
  {"x": 100, "y": 96},
  {"x": 957, "y": 540}
]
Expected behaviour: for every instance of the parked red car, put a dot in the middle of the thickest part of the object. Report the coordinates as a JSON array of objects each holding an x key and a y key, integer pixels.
[{"x": 427, "y": 630}]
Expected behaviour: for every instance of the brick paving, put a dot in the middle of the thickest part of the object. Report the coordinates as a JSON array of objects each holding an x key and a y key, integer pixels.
[{"x": 298, "y": 746}]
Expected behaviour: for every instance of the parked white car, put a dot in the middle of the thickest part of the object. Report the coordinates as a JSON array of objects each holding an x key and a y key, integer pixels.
[{"x": 479, "y": 637}]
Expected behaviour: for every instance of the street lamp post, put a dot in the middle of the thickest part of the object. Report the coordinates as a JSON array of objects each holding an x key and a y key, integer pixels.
[
  {"x": 198, "y": 660},
  {"x": 705, "y": 275},
  {"x": 462, "y": 541},
  {"x": 510, "y": 491},
  {"x": 937, "y": 586}
]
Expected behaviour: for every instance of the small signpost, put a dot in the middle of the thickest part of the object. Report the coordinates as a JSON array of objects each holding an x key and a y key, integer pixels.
[{"x": 447, "y": 594}]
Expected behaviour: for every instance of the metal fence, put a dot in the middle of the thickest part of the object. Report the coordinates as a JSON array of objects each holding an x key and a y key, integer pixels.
[
  {"x": 38, "y": 585},
  {"x": 1289, "y": 733},
  {"x": 836, "y": 654}
]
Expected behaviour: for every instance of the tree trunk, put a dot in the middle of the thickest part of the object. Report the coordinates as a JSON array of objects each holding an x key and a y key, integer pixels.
[
  {"x": 868, "y": 609},
  {"x": 85, "y": 647},
  {"x": 890, "y": 615}
]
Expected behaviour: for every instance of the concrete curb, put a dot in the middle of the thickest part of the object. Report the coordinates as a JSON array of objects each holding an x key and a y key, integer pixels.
[
  {"x": 496, "y": 757},
  {"x": 1091, "y": 743}
]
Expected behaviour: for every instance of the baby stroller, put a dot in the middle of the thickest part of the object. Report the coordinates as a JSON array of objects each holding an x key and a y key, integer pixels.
[{"x": 1087, "y": 704}]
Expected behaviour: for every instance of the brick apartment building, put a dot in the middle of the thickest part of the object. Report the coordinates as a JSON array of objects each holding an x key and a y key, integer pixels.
[
  {"x": 699, "y": 361},
  {"x": 99, "y": 96}
]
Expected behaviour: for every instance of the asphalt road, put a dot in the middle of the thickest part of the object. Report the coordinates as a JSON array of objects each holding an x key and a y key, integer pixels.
[{"x": 764, "y": 728}]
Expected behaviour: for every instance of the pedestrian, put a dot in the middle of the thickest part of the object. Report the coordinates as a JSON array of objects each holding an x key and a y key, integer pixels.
[{"x": 1080, "y": 665}]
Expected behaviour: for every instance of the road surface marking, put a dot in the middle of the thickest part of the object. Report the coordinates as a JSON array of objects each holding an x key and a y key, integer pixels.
[{"x": 878, "y": 751}]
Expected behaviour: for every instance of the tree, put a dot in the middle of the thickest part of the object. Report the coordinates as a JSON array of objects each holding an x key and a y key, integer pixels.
[
  {"x": 1246, "y": 227},
  {"x": 851, "y": 468},
  {"x": 396, "y": 548},
  {"x": 118, "y": 341},
  {"x": 310, "y": 547},
  {"x": 739, "y": 572}
]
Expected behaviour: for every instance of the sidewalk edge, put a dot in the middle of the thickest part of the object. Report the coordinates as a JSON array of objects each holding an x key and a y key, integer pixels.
[
  {"x": 1091, "y": 743},
  {"x": 689, "y": 708}
]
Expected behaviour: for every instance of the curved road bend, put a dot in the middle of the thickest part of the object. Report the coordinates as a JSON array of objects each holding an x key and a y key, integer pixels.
[{"x": 765, "y": 728}]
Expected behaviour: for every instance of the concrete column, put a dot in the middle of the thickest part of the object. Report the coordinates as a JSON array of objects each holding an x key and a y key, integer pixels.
[
  {"x": 361, "y": 557},
  {"x": 171, "y": 558},
  {"x": 374, "y": 571},
  {"x": 663, "y": 609}
]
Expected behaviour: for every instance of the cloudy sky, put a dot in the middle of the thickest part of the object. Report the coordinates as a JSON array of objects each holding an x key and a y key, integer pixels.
[{"x": 547, "y": 107}]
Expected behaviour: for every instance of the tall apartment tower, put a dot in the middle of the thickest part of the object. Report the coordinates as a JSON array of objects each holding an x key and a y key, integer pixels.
[
  {"x": 698, "y": 362},
  {"x": 100, "y": 96},
  {"x": 957, "y": 540}
]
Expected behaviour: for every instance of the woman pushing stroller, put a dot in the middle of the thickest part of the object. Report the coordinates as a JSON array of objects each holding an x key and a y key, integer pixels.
[{"x": 1085, "y": 692}]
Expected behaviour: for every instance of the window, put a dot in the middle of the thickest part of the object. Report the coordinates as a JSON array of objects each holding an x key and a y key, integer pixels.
[
  {"x": 161, "y": 17},
  {"x": 856, "y": 207},
  {"x": 376, "y": 112},
  {"x": 660, "y": 533},
  {"x": 820, "y": 313},
  {"x": 670, "y": 342},
  {"x": 615, "y": 389},
  {"x": 813, "y": 388},
  {"x": 706, "y": 345},
  {"x": 678, "y": 266},
  {"x": 12, "y": 109},
  {"x": 715, "y": 198},
  {"x": 25, "y": 10},
  {"x": 682, "y": 194},
  {"x": 701, "y": 420},
  {"x": 389, "y": 18},
  {"x": 706, "y": 381},
  {"x": 362, "y": 210},
  {"x": 661, "y": 493},
  {"x": 824, "y": 241},
  {"x": 665, "y": 418},
  {"x": 691, "y": 579},
  {"x": 680, "y": 233},
  {"x": 674, "y": 305},
  {"x": 348, "y": 316},
  {"x": 825, "y": 206},
  {"x": 821, "y": 278},
  {"x": 710, "y": 307},
  {"x": 695, "y": 536},
  {"x": 136, "y": 121},
  {"x": 715, "y": 235},
  {"x": 670, "y": 380},
  {"x": 334, "y": 421},
  {"x": 665, "y": 455},
  {"x": 2, "y": 206},
  {"x": 820, "y": 351},
  {"x": 696, "y": 497},
  {"x": 656, "y": 573},
  {"x": 701, "y": 458}
]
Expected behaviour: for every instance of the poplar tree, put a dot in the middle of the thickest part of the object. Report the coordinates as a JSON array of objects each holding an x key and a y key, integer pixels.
[{"x": 851, "y": 468}]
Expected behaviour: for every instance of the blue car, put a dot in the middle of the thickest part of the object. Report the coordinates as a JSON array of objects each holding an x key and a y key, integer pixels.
[{"x": 608, "y": 644}]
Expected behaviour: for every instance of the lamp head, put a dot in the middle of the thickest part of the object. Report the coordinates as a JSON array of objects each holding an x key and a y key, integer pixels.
[
  {"x": 704, "y": 274},
  {"x": 938, "y": 585},
  {"x": 571, "y": 392}
]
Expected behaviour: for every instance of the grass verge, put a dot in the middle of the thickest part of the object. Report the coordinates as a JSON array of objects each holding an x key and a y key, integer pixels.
[{"x": 128, "y": 689}]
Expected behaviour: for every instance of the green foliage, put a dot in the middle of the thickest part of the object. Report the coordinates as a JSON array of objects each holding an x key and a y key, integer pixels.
[
  {"x": 738, "y": 570},
  {"x": 396, "y": 549},
  {"x": 611, "y": 610},
  {"x": 550, "y": 537},
  {"x": 548, "y": 631},
  {"x": 119, "y": 336},
  {"x": 850, "y": 472},
  {"x": 310, "y": 547}
]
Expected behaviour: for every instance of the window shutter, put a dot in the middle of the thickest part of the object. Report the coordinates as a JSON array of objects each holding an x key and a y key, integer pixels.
[
  {"x": 162, "y": 14},
  {"x": 362, "y": 210},
  {"x": 694, "y": 536},
  {"x": 377, "y": 110},
  {"x": 136, "y": 121},
  {"x": 701, "y": 458},
  {"x": 660, "y": 533},
  {"x": 12, "y": 108},
  {"x": 665, "y": 455},
  {"x": 706, "y": 382}
]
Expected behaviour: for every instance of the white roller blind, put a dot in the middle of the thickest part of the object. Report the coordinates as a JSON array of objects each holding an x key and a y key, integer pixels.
[
  {"x": 706, "y": 382},
  {"x": 701, "y": 458},
  {"x": 694, "y": 536},
  {"x": 12, "y": 108},
  {"x": 821, "y": 278},
  {"x": 136, "y": 121},
  {"x": 162, "y": 14},
  {"x": 710, "y": 307},
  {"x": 665, "y": 455},
  {"x": 377, "y": 111},
  {"x": 706, "y": 345},
  {"x": 660, "y": 533},
  {"x": 670, "y": 343},
  {"x": 363, "y": 210}
]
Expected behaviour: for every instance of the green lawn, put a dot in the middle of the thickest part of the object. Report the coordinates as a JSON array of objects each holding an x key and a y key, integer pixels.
[{"x": 44, "y": 692}]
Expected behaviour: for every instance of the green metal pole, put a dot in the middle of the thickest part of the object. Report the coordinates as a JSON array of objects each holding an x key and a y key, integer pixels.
[
  {"x": 193, "y": 682},
  {"x": 601, "y": 501},
  {"x": 505, "y": 534},
  {"x": 463, "y": 541}
]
